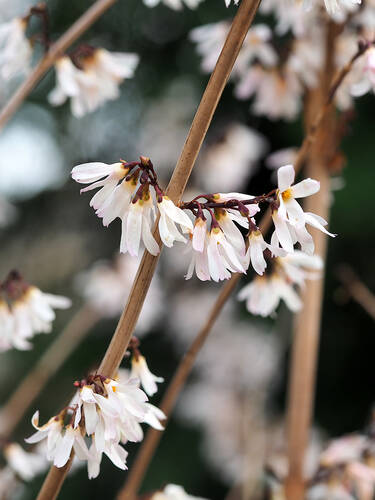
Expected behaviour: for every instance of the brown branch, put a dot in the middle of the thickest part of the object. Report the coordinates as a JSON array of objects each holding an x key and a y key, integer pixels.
[
  {"x": 307, "y": 325},
  {"x": 31, "y": 386},
  {"x": 357, "y": 289},
  {"x": 180, "y": 176},
  {"x": 56, "y": 50}
]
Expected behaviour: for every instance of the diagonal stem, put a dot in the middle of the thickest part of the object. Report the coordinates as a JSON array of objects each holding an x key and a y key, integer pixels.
[
  {"x": 180, "y": 176},
  {"x": 57, "y": 49}
]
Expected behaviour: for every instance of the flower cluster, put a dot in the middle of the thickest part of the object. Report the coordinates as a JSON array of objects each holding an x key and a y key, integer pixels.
[
  {"x": 215, "y": 241},
  {"x": 25, "y": 464},
  {"x": 25, "y": 311},
  {"x": 104, "y": 414},
  {"x": 276, "y": 76},
  {"x": 90, "y": 77},
  {"x": 125, "y": 193},
  {"x": 264, "y": 293},
  {"x": 344, "y": 470}
]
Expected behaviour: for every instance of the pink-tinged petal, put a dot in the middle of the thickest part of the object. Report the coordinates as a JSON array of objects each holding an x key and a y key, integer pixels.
[
  {"x": 282, "y": 232},
  {"x": 64, "y": 448},
  {"x": 117, "y": 456},
  {"x": 36, "y": 437},
  {"x": 256, "y": 255},
  {"x": 215, "y": 263},
  {"x": 99, "y": 435},
  {"x": 93, "y": 463},
  {"x": 148, "y": 239},
  {"x": 90, "y": 172},
  {"x": 102, "y": 196},
  {"x": 134, "y": 229},
  {"x": 317, "y": 222},
  {"x": 307, "y": 187},
  {"x": 305, "y": 239},
  {"x": 294, "y": 211},
  {"x": 190, "y": 271},
  {"x": 91, "y": 417},
  {"x": 288, "y": 294},
  {"x": 123, "y": 244},
  {"x": 80, "y": 447},
  {"x": 285, "y": 177},
  {"x": 201, "y": 266},
  {"x": 93, "y": 186},
  {"x": 199, "y": 234}
]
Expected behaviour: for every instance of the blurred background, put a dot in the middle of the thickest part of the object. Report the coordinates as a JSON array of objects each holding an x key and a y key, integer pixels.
[{"x": 232, "y": 409}]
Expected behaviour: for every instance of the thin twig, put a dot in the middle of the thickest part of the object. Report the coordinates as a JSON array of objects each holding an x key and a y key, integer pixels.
[
  {"x": 176, "y": 187},
  {"x": 151, "y": 441},
  {"x": 357, "y": 289},
  {"x": 31, "y": 386},
  {"x": 307, "y": 325},
  {"x": 56, "y": 50}
]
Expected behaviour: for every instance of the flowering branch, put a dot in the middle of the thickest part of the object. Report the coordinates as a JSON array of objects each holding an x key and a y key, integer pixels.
[
  {"x": 13, "y": 411},
  {"x": 176, "y": 187},
  {"x": 55, "y": 51}
]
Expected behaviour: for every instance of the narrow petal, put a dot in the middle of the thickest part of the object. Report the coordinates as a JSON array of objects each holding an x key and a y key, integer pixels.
[{"x": 285, "y": 177}]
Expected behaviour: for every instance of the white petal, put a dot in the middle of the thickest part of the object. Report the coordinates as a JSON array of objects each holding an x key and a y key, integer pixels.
[
  {"x": 307, "y": 187},
  {"x": 285, "y": 177}
]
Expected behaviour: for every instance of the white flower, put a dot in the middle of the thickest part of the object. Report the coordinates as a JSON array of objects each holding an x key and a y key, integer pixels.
[
  {"x": 136, "y": 227},
  {"x": 148, "y": 379},
  {"x": 306, "y": 57},
  {"x": 346, "y": 449},
  {"x": 199, "y": 259},
  {"x": 98, "y": 81},
  {"x": 256, "y": 46},
  {"x": 222, "y": 257},
  {"x": 289, "y": 218},
  {"x": 173, "y": 492},
  {"x": 26, "y": 312},
  {"x": 51, "y": 430},
  {"x": 106, "y": 177},
  {"x": 15, "y": 49},
  {"x": 174, "y": 4},
  {"x": 290, "y": 15},
  {"x": 108, "y": 412},
  {"x": 170, "y": 215},
  {"x": 263, "y": 295},
  {"x": 255, "y": 251},
  {"x": 210, "y": 39},
  {"x": 338, "y": 8},
  {"x": 26, "y": 465},
  {"x": 240, "y": 146},
  {"x": 276, "y": 95},
  {"x": 367, "y": 82}
]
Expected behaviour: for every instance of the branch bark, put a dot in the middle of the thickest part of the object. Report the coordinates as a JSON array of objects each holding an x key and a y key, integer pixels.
[
  {"x": 181, "y": 174},
  {"x": 56, "y": 50},
  {"x": 307, "y": 325}
]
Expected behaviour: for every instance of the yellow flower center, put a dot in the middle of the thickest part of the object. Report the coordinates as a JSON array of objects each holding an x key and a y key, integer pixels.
[{"x": 287, "y": 194}]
